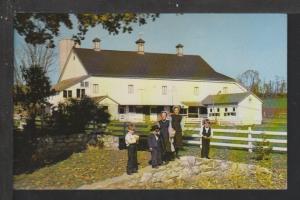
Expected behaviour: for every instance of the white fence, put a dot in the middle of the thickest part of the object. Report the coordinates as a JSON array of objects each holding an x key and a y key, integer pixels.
[{"x": 248, "y": 138}]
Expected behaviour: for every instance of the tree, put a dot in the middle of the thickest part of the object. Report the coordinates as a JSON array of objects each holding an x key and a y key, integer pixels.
[
  {"x": 33, "y": 55},
  {"x": 41, "y": 28},
  {"x": 283, "y": 87},
  {"x": 250, "y": 79},
  {"x": 33, "y": 94}
]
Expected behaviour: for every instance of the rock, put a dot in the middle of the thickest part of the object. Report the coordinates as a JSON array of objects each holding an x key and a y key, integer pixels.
[
  {"x": 173, "y": 174},
  {"x": 187, "y": 171},
  {"x": 188, "y": 161},
  {"x": 146, "y": 177},
  {"x": 209, "y": 173},
  {"x": 205, "y": 168},
  {"x": 169, "y": 181},
  {"x": 196, "y": 170}
]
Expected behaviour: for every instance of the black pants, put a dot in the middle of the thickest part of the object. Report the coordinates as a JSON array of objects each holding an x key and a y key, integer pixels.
[
  {"x": 156, "y": 157},
  {"x": 132, "y": 164},
  {"x": 167, "y": 156},
  {"x": 205, "y": 148}
]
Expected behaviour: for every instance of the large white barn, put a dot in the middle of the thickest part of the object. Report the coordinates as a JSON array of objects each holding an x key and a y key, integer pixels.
[{"x": 137, "y": 85}]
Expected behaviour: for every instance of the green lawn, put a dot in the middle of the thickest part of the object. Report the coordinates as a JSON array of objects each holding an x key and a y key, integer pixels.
[
  {"x": 81, "y": 168},
  {"x": 96, "y": 164}
]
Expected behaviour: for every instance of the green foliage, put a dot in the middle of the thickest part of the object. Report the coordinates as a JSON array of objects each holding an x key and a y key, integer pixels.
[
  {"x": 262, "y": 149},
  {"x": 41, "y": 28},
  {"x": 74, "y": 115},
  {"x": 32, "y": 96}
]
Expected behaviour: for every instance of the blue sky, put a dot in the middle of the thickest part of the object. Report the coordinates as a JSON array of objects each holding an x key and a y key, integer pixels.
[{"x": 230, "y": 43}]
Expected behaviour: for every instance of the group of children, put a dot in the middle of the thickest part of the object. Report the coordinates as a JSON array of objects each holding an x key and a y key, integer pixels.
[{"x": 160, "y": 143}]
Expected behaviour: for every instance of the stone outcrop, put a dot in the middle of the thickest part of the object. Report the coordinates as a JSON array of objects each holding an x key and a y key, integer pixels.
[{"x": 189, "y": 170}]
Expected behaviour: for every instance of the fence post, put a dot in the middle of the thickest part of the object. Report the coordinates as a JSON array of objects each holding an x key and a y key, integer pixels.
[
  {"x": 124, "y": 126},
  {"x": 249, "y": 139}
]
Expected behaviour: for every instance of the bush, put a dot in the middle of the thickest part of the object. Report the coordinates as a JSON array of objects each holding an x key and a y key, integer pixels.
[
  {"x": 262, "y": 149},
  {"x": 74, "y": 115}
]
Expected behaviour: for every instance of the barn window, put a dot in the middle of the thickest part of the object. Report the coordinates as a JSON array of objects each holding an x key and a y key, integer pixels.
[
  {"x": 139, "y": 109},
  {"x": 210, "y": 110},
  {"x": 183, "y": 111},
  {"x": 226, "y": 109},
  {"x": 96, "y": 88},
  {"x": 164, "y": 90},
  {"x": 132, "y": 109},
  {"x": 122, "y": 109},
  {"x": 70, "y": 93},
  {"x": 218, "y": 109},
  {"x": 80, "y": 93},
  {"x": 65, "y": 94},
  {"x": 153, "y": 110},
  {"x": 196, "y": 91},
  {"x": 86, "y": 84},
  {"x": 130, "y": 89},
  {"x": 81, "y": 84},
  {"x": 225, "y": 90},
  {"x": 233, "y": 109}
]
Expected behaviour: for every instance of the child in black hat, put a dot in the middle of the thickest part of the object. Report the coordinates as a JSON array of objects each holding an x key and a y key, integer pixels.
[
  {"x": 154, "y": 143},
  {"x": 206, "y": 133}
]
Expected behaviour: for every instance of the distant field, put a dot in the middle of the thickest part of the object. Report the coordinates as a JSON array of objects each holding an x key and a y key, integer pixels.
[
  {"x": 280, "y": 103},
  {"x": 275, "y": 109}
]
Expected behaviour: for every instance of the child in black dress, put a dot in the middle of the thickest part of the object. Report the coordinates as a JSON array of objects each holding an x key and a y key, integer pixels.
[{"x": 154, "y": 143}]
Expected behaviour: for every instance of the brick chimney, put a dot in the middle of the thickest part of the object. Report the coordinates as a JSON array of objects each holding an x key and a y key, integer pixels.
[
  {"x": 96, "y": 43},
  {"x": 179, "y": 50},
  {"x": 140, "y": 46},
  {"x": 65, "y": 47}
]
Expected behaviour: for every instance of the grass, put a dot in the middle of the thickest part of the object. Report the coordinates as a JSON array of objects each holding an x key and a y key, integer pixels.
[
  {"x": 96, "y": 164},
  {"x": 81, "y": 168}
]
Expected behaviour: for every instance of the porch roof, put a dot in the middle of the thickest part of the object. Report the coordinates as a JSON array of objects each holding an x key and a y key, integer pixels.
[
  {"x": 192, "y": 103},
  {"x": 101, "y": 98},
  {"x": 232, "y": 98},
  {"x": 62, "y": 85}
]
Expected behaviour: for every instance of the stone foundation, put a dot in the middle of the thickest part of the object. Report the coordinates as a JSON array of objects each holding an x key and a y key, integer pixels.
[{"x": 54, "y": 146}]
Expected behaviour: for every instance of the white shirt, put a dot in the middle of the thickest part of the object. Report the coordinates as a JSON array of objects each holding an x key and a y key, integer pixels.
[
  {"x": 206, "y": 129},
  {"x": 130, "y": 138}
]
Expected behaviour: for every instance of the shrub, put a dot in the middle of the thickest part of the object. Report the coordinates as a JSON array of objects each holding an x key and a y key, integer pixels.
[
  {"x": 74, "y": 115},
  {"x": 262, "y": 149}
]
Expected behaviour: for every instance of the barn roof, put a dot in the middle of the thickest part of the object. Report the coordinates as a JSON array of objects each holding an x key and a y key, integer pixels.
[
  {"x": 68, "y": 83},
  {"x": 113, "y": 63},
  {"x": 233, "y": 98}
]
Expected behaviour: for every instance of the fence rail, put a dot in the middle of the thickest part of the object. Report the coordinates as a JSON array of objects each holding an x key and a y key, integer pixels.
[{"x": 248, "y": 138}]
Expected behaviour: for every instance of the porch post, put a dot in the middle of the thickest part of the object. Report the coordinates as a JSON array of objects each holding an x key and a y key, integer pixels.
[{"x": 187, "y": 112}]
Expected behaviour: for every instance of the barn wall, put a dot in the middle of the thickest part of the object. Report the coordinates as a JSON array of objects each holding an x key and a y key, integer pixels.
[
  {"x": 149, "y": 91},
  {"x": 73, "y": 68},
  {"x": 250, "y": 111}
]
